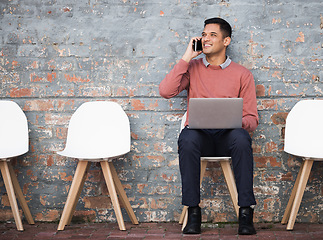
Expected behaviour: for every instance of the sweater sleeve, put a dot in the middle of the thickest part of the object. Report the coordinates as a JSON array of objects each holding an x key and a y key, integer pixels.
[
  {"x": 250, "y": 118},
  {"x": 175, "y": 81}
]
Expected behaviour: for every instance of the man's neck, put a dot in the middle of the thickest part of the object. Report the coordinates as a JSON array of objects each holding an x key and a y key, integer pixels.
[{"x": 216, "y": 60}]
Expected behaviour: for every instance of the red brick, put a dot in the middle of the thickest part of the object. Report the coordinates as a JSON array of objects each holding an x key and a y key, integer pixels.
[
  {"x": 20, "y": 92},
  {"x": 39, "y": 105},
  {"x": 76, "y": 79},
  {"x": 279, "y": 118},
  {"x": 98, "y": 202},
  {"x": 271, "y": 147},
  {"x": 260, "y": 90},
  {"x": 263, "y": 161},
  {"x": 137, "y": 104},
  {"x": 50, "y": 215}
]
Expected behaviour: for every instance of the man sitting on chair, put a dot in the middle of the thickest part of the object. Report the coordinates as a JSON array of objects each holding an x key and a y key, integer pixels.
[{"x": 214, "y": 76}]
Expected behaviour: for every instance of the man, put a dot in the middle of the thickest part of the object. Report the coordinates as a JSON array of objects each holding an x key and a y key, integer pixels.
[{"x": 215, "y": 76}]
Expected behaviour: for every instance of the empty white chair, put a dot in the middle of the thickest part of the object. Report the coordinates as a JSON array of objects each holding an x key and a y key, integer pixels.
[
  {"x": 14, "y": 142},
  {"x": 98, "y": 132},
  {"x": 228, "y": 175},
  {"x": 303, "y": 138}
]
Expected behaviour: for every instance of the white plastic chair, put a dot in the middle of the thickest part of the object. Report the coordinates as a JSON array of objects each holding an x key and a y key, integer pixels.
[
  {"x": 303, "y": 138},
  {"x": 13, "y": 142},
  {"x": 98, "y": 132},
  {"x": 228, "y": 175}
]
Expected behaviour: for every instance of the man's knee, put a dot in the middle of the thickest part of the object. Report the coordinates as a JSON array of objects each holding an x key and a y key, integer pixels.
[
  {"x": 241, "y": 142},
  {"x": 188, "y": 140},
  {"x": 241, "y": 139}
]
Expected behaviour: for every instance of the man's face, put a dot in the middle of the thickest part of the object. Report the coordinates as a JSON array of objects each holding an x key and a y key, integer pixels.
[{"x": 213, "y": 41}]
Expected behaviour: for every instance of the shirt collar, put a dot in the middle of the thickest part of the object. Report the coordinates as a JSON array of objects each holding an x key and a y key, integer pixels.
[{"x": 223, "y": 65}]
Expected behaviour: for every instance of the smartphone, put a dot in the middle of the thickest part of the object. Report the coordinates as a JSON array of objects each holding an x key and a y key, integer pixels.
[{"x": 197, "y": 45}]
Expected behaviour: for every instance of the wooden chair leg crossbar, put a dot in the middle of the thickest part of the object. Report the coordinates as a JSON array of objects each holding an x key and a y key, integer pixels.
[
  {"x": 13, "y": 189},
  {"x": 297, "y": 193},
  {"x": 229, "y": 178},
  {"x": 114, "y": 186}
]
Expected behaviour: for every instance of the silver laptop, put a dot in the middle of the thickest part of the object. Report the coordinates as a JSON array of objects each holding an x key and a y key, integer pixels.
[{"x": 215, "y": 113}]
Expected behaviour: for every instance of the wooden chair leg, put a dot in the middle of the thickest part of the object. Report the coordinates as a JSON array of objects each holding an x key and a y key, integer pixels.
[
  {"x": 203, "y": 169},
  {"x": 300, "y": 192},
  {"x": 183, "y": 218},
  {"x": 229, "y": 178},
  {"x": 122, "y": 195},
  {"x": 20, "y": 195},
  {"x": 11, "y": 194},
  {"x": 73, "y": 193},
  {"x": 292, "y": 196},
  {"x": 78, "y": 193},
  {"x": 113, "y": 194}
]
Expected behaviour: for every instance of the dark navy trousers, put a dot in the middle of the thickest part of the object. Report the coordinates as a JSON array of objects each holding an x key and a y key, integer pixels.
[{"x": 234, "y": 143}]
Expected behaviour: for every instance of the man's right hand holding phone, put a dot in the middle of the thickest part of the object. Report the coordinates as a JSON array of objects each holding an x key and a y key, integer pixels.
[{"x": 190, "y": 53}]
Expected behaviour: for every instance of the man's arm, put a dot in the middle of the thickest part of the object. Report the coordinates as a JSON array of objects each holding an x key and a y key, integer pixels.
[
  {"x": 250, "y": 119},
  {"x": 175, "y": 81},
  {"x": 178, "y": 78}
]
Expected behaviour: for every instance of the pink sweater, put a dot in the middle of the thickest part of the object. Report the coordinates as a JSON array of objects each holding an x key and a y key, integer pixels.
[{"x": 213, "y": 82}]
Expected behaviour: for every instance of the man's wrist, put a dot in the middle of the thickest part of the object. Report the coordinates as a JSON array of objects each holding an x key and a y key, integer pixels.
[{"x": 186, "y": 59}]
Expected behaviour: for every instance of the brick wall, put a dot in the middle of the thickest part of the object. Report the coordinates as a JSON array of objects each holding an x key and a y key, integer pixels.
[{"x": 56, "y": 55}]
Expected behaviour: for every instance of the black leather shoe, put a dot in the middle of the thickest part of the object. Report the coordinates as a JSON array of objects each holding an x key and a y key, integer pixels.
[
  {"x": 193, "y": 225},
  {"x": 246, "y": 221}
]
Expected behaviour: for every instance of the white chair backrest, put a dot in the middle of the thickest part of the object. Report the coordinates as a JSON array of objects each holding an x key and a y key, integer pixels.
[
  {"x": 304, "y": 129},
  {"x": 183, "y": 121},
  {"x": 98, "y": 129},
  {"x": 14, "y": 140}
]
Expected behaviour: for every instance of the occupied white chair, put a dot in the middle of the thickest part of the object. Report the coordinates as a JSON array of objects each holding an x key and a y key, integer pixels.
[
  {"x": 14, "y": 142},
  {"x": 303, "y": 138},
  {"x": 228, "y": 175},
  {"x": 98, "y": 132}
]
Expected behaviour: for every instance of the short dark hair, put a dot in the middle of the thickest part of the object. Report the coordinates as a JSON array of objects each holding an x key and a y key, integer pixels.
[{"x": 224, "y": 25}]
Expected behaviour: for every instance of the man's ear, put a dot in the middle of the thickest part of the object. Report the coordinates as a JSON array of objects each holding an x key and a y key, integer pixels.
[{"x": 227, "y": 41}]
